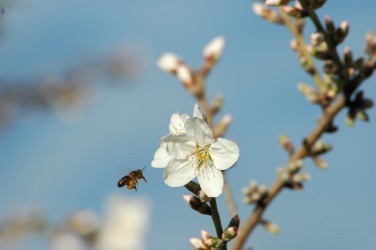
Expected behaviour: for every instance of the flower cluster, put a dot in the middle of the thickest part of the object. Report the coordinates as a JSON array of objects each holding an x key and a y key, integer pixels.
[{"x": 191, "y": 150}]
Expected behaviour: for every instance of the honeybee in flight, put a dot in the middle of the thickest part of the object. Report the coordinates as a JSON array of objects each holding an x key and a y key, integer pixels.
[{"x": 131, "y": 180}]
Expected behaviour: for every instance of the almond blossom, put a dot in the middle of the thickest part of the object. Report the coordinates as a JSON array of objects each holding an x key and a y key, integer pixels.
[{"x": 190, "y": 151}]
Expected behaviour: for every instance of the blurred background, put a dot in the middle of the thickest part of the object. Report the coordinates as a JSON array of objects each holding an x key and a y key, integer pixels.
[{"x": 82, "y": 104}]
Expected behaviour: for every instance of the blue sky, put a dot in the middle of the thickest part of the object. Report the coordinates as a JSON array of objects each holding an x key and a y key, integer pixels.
[{"x": 61, "y": 167}]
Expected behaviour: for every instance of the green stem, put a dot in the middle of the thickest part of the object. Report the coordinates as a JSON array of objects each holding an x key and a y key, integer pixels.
[{"x": 216, "y": 219}]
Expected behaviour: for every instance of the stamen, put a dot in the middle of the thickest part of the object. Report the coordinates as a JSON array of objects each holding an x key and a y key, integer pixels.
[{"x": 202, "y": 157}]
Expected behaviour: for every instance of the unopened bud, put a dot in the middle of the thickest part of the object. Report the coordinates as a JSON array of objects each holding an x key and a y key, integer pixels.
[
  {"x": 222, "y": 126},
  {"x": 315, "y": 4},
  {"x": 330, "y": 67},
  {"x": 217, "y": 104},
  {"x": 294, "y": 11},
  {"x": 229, "y": 233},
  {"x": 320, "y": 148},
  {"x": 204, "y": 197},
  {"x": 347, "y": 56},
  {"x": 185, "y": 75},
  {"x": 276, "y": 2},
  {"x": 309, "y": 93},
  {"x": 320, "y": 163},
  {"x": 300, "y": 178},
  {"x": 234, "y": 222},
  {"x": 294, "y": 45},
  {"x": 316, "y": 38},
  {"x": 213, "y": 51},
  {"x": 267, "y": 13},
  {"x": 214, "y": 242},
  {"x": 198, "y": 244},
  {"x": 284, "y": 176},
  {"x": 342, "y": 32},
  {"x": 196, "y": 204},
  {"x": 270, "y": 227},
  {"x": 286, "y": 144},
  {"x": 169, "y": 62},
  {"x": 295, "y": 165},
  {"x": 329, "y": 25},
  {"x": 205, "y": 235}
]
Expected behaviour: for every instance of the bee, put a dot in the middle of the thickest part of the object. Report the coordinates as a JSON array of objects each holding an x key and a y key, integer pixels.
[{"x": 131, "y": 180}]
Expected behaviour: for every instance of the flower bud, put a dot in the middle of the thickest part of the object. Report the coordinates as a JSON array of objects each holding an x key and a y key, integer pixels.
[
  {"x": 329, "y": 25},
  {"x": 267, "y": 13},
  {"x": 229, "y": 233},
  {"x": 294, "y": 45},
  {"x": 198, "y": 244},
  {"x": 196, "y": 204},
  {"x": 185, "y": 75},
  {"x": 309, "y": 93},
  {"x": 330, "y": 67},
  {"x": 214, "y": 242},
  {"x": 294, "y": 11},
  {"x": 169, "y": 62},
  {"x": 217, "y": 104},
  {"x": 295, "y": 165},
  {"x": 300, "y": 178},
  {"x": 317, "y": 38},
  {"x": 342, "y": 32},
  {"x": 320, "y": 163},
  {"x": 213, "y": 51},
  {"x": 222, "y": 126},
  {"x": 286, "y": 144},
  {"x": 315, "y": 4},
  {"x": 347, "y": 56},
  {"x": 270, "y": 227},
  {"x": 320, "y": 148},
  {"x": 234, "y": 222},
  {"x": 276, "y": 2},
  {"x": 205, "y": 235}
]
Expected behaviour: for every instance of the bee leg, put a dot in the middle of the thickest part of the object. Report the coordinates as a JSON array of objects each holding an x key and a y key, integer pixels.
[
  {"x": 135, "y": 188},
  {"x": 144, "y": 179}
]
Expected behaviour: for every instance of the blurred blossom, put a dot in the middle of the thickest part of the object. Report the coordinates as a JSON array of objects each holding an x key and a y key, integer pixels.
[
  {"x": 84, "y": 223},
  {"x": 65, "y": 241},
  {"x": 67, "y": 94},
  {"x": 125, "y": 224}
]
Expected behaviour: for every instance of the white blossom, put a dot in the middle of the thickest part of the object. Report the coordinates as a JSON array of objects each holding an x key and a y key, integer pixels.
[
  {"x": 125, "y": 224},
  {"x": 194, "y": 152}
]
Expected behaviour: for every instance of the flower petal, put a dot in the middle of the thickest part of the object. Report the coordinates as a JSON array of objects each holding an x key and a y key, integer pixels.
[
  {"x": 179, "y": 146},
  {"x": 178, "y": 172},
  {"x": 177, "y": 122},
  {"x": 224, "y": 153},
  {"x": 203, "y": 135},
  {"x": 161, "y": 157},
  {"x": 211, "y": 180},
  {"x": 197, "y": 112}
]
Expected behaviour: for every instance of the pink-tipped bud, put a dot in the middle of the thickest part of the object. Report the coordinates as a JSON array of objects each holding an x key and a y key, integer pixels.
[
  {"x": 185, "y": 75},
  {"x": 213, "y": 50},
  {"x": 169, "y": 62}
]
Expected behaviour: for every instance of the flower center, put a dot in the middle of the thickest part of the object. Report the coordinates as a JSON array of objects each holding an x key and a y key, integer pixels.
[{"x": 202, "y": 154}]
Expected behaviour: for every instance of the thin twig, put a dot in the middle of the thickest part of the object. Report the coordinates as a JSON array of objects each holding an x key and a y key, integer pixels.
[{"x": 302, "y": 48}]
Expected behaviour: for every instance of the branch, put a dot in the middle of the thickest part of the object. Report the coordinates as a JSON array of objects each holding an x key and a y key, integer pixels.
[{"x": 278, "y": 185}]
